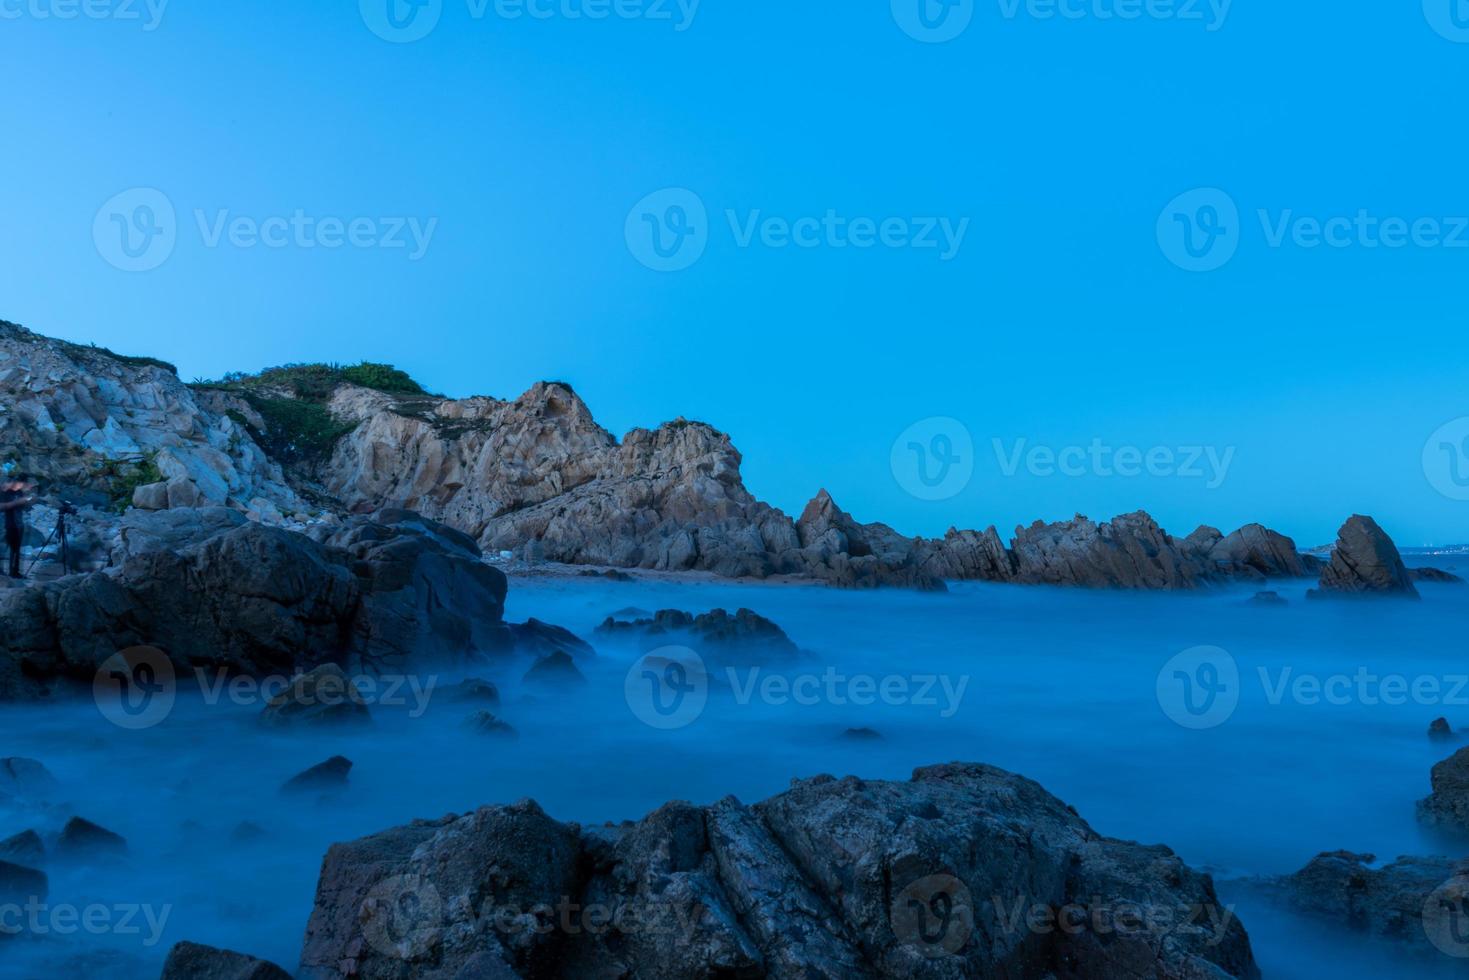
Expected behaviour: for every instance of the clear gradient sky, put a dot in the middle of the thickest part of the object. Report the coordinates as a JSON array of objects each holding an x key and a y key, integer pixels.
[{"x": 1065, "y": 316}]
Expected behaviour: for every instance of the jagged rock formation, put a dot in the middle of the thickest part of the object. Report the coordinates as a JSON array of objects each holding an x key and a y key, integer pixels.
[
  {"x": 250, "y": 599},
  {"x": 92, "y": 423},
  {"x": 833, "y": 879},
  {"x": 1396, "y": 903},
  {"x": 538, "y": 476},
  {"x": 1365, "y": 562},
  {"x": 745, "y": 635}
]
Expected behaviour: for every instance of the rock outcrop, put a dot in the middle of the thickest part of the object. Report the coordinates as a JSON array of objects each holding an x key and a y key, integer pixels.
[
  {"x": 92, "y": 423},
  {"x": 1365, "y": 563},
  {"x": 1448, "y": 804},
  {"x": 374, "y": 596},
  {"x": 1414, "y": 902},
  {"x": 942, "y": 876},
  {"x": 745, "y": 636}
]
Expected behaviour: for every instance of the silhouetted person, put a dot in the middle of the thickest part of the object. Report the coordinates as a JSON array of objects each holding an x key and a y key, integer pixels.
[{"x": 15, "y": 497}]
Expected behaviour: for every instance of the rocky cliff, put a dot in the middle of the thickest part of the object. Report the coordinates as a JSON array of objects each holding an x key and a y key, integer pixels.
[{"x": 535, "y": 475}]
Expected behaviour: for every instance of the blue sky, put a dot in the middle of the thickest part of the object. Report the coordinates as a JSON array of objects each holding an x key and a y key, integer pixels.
[{"x": 524, "y": 150}]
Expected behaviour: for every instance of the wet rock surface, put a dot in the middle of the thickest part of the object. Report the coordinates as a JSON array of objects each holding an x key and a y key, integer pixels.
[
  {"x": 743, "y": 635},
  {"x": 834, "y": 878}
]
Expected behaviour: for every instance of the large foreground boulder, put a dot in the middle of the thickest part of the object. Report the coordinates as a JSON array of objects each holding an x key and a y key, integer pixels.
[
  {"x": 965, "y": 871},
  {"x": 1365, "y": 562},
  {"x": 374, "y": 595}
]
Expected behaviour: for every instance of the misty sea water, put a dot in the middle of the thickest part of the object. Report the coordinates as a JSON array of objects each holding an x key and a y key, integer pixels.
[{"x": 1061, "y": 686}]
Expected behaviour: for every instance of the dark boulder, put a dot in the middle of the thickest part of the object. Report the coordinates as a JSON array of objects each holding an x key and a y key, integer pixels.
[
  {"x": 25, "y": 848},
  {"x": 83, "y": 840},
  {"x": 1434, "y": 575},
  {"x": 327, "y": 777},
  {"x": 1267, "y": 599},
  {"x": 485, "y": 723},
  {"x": 1439, "y": 729},
  {"x": 557, "y": 672},
  {"x": 743, "y": 636},
  {"x": 540, "y": 639},
  {"x": 19, "y": 884},
  {"x": 1256, "y": 549},
  {"x": 1365, "y": 562},
  {"x": 193, "y": 961}
]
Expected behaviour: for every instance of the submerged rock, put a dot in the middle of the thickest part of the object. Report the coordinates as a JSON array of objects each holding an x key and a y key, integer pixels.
[
  {"x": 26, "y": 779},
  {"x": 20, "y": 885},
  {"x": 485, "y": 723},
  {"x": 325, "y": 777},
  {"x": 193, "y": 961},
  {"x": 81, "y": 839},
  {"x": 717, "y": 633},
  {"x": 1365, "y": 562},
  {"x": 471, "y": 691},
  {"x": 25, "y": 848},
  {"x": 324, "y": 696},
  {"x": 1272, "y": 599},
  {"x": 833, "y": 879},
  {"x": 1439, "y": 729},
  {"x": 557, "y": 672},
  {"x": 1434, "y": 575},
  {"x": 862, "y": 735}
]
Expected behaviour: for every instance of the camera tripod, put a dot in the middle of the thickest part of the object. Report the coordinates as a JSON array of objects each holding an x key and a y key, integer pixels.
[{"x": 58, "y": 534}]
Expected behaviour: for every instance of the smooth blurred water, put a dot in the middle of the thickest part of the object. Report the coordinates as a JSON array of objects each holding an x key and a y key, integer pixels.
[{"x": 1059, "y": 685}]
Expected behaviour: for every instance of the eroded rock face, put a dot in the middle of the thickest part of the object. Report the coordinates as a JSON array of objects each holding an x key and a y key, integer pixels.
[
  {"x": 933, "y": 878},
  {"x": 78, "y": 415},
  {"x": 1365, "y": 562},
  {"x": 1129, "y": 552},
  {"x": 1255, "y": 548}
]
